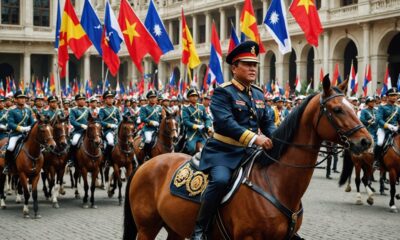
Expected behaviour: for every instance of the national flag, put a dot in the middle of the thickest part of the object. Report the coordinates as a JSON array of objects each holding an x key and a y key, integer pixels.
[
  {"x": 367, "y": 79},
  {"x": 309, "y": 87},
  {"x": 306, "y": 15},
  {"x": 398, "y": 83},
  {"x": 268, "y": 87},
  {"x": 353, "y": 80},
  {"x": 21, "y": 85},
  {"x": 73, "y": 35},
  {"x": 88, "y": 88},
  {"x": 248, "y": 24},
  {"x": 189, "y": 53},
  {"x": 215, "y": 65},
  {"x": 117, "y": 87},
  {"x": 206, "y": 80},
  {"x": 321, "y": 75},
  {"x": 138, "y": 40},
  {"x": 58, "y": 25},
  {"x": 111, "y": 41},
  {"x": 172, "y": 79},
  {"x": 92, "y": 25},
  {"x": 2, "y": 92},
  {"x": 52, "y": 85},
  {"x": 75, "y": 87},
  {"x": 38, "y": 87},
  {"x": 378, "y": 91},
  {"x": 156, "y": 28},
  {"x": 298, "y": 84},
  {"x": 276, "y": 24},
  {"x": 387, "y": 82},
  {"x": 106, "y": 85},
  {"x": 233, "y": 41},
  {"x": 337, "y": 79},
  {"x": 141, "y": 86}
]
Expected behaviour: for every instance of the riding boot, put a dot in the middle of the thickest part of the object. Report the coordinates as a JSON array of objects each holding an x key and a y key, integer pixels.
[
  {"x": 7, "y": 161},
  {"x": 147, "y": 151},
  {"x": 207, "y": 211},
  {"x": 71, "y": 160},
  {"x": 107, "y": 154},
  {"x": 377, "y": 156}
]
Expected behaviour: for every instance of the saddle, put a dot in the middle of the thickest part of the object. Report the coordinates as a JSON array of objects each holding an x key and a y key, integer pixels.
[
  {"x": 388, "y": 142},
  {"x": 18, "y": 146},
  {"x": 189, "y": 182}
]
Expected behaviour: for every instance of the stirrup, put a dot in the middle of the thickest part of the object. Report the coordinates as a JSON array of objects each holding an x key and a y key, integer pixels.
[{"x": 6, "y": 170}]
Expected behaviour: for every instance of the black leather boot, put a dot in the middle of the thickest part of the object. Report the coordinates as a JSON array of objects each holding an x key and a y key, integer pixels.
[
  {"x": 147, "y": 151},
  {"x": 71, "y": 160},
  {"x": 377, "y": 156},
  {"x": 207, "y": 211},
  {"x": 107, "y": 154},
  {"x": 7, "y": 159}
]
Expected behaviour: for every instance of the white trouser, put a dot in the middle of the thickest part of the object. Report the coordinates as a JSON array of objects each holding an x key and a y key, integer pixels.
[
  {"x": 147, "y": 136},
  {"x": 75, "y": 139},
  {"x": 380, "y": 136},
  {"x": 11, "y": 143},
  {"x": 110, "y": 139}
]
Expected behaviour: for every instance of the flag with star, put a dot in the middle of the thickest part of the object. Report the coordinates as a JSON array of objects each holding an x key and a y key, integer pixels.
[
  {"x": 138, "y": 40},
  {"x": 248, "y": 24},
  {"x": 189, "y": 53},
  {"x": 276, "y": 23},
  {"x": 156, "y": 28},
  {"x": 111, "y": 40},
  {"x": 306, "y": 15}
]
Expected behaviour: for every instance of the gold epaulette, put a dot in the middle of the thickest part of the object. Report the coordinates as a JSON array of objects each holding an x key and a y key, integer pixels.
[{"x": 225, "y": 84}]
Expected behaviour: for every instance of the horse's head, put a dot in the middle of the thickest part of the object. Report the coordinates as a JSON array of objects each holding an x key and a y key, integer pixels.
[
  {"x": 45, "y": 132},
  {"x": 61, "y": 131},
  {"x": 126, "y": 130},
  {"x": 338, "y": 122},
  {"x": 93, "y": 131},
  {"x": 171, "y": 124}
]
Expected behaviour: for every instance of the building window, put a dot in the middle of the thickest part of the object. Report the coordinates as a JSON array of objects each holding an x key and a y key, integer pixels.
[
  {"x": 41, "y": 12},
  {"x": 10, "y": 12},
  {"x": 202, "y": 35},
  {"x": 318, "y": 3},
  {"x": 259, "y": 16},
  {"x": 348, "y": 2}
]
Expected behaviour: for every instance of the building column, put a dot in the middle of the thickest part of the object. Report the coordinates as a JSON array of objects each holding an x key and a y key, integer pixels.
[
  {"x": 161, "y": 72},
  {"x": 67, "y": 74},
  {"x": 378, "y": 68},
  {"x": 208, "y": 27},
  {"x": 364, "y": 61},
  {"x": 222, "y": 22},
  {"x": 86, "y": 67},
  {"x": 280, "y": 70},
  {"x": 265, "y": 7},
  {"x": 237, "y": 18},
  {"x": 28, "y": 14},
  {"x": 180, "y": 31},
  {"x": 262, "y": 69},
  {"x": 301, "y": 71},
  {"x": 134, "y": 72},
  {"x": 100, "y": 4},
  {"x": 194, "y": 27},
  {"x": 317, "y": 69},
  {"x": 170, "y": 28},
  {"x": 326, "y": 52},
  {"x": 27, "y": 68},
  {"x": 226, "y": 69},
  {"x": 54, "y": 61}
]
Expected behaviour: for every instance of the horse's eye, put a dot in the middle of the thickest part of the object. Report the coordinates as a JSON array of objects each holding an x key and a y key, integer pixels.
[{"x": 337, "y": 110}]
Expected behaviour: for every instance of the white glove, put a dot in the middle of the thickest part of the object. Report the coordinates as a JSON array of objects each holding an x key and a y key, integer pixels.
[
  {"x": 393, "y": 128},
  {"x": 113, "y": 126},
  {"x": 200, "y": 127},
  {"x": 138, "y": 121},
  {"x": 84, "y": 126},
  {"x": 155, "y": 124},
  {"x": 25, "y": 129},
  {"x": 3, "y": 127}
]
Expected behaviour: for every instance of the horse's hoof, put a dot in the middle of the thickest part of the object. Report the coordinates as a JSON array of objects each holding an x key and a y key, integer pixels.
[
  {"x": 93, "y": 206},
  {"x": 120, "y": 203},
  {"x": 62, "y": 192},
  {"x": 383, "y": 194},
  {"x": 85, "y": 206},
  {"x": 56, "y": 206},
  {"x": 77, "y": 196},
  {"x": 26, "y": 216},
  {"x": 110, "y": 194},
  {"x": 37, "y": 216},
  {"x": 9, "y": 192},
  {"x": 394, "y": 209},
  {"x": 348, "y": 188},
  {"x": 398, "y": 196},
  {"x": 370, "y": 201}
]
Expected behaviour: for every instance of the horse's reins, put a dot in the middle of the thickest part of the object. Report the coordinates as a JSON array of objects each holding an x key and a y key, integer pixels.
[
  {"x": 58, "y": 137},
  {"x": 90, "y": 140}
]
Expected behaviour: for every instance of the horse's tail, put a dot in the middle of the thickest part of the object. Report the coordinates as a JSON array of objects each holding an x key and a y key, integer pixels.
[
  {"x": 347, "y": 168},
  {"x": 130, "y": 229}
]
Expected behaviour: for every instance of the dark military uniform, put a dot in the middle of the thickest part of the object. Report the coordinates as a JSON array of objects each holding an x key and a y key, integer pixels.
[
  {"x": 368, "y": 118},
  {"x": 52, "y": 113},
  {"x": 239, "y": 113},
  {"x": 3, "y": 121}
]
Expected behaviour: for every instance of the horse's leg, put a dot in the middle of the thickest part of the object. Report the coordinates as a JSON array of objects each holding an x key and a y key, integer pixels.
[
  {"x": 53, "y": 188},
  {"x": 76, "y": 176},
  {"x": 72, "y": 178},
  {"x": 358, "y": 181},
  {"x": 107, "y": 179},
  {"x": 34, "y": 197},
  {"x": 102, "y": 186},
  {"x": 117, "y": 180},
  {"x": 382, "y": 183},
  {"x": 86, "y": 186},
  {"x": 2, "y": 195},
  {"x": 173, "y": 235},
  {"x": 93, "y": 187},
  {"x": 45, "y": 190},
  {"x": 18, "y": 197},
  {"x": 9, "y": 184},
  {"x": 60, "y": 180},
  {"x": 23, "y": 181},
  {"x": 111, "y": 184},
  {"x": 365, "y": 180},
  {"x": 393, "y": 178}
]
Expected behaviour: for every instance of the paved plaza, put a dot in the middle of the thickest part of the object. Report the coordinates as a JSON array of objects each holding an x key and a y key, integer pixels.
[{"x": 330, "y": 213}]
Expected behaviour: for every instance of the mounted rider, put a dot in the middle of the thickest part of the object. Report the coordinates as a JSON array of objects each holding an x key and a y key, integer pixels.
[
  {"x": 110, "y": 118},
  {"x": 78, "y": 118},
  {"x": 239, "y": 114},
  {"x": 3, "y": 119},
  {"x": 39, "y": 104},
  {"x": 196, "y": 121},
  {"x": 53, "y": 110},
  {"x": 388, "y": 117},
  {"x": 368, "y": 117},
  {"x": 20, "y": 121},
  {"x": 151, "y": 116},
  {"x": 278, "y": 109}
]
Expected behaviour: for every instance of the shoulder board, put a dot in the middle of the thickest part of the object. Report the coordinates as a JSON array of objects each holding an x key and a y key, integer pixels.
[
  {"x": 257, "y": 87},
  {"x": 74, "y": 107},
  {"x": 225, "y": 84},
  {"x": 200, "y": 105}
]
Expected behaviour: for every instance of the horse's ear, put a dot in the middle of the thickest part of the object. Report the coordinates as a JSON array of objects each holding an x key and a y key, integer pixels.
[
  {"x": 343, "y": 86},
  {"x": 326, "y": 84}
]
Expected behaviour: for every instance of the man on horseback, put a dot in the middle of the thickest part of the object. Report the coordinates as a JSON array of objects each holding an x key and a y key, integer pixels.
[
  {"x": 368, "y": 117},
  {"x": 388, "y": 117},
  {"x": 53, "y": 110},
  {"x": 239, "y": 114},
  {"x": 39, "y": 105},
  {"x": 196, "y": 121},
  {"x": 3, "y": 119},
  {"x": 151, "y": 116},
  {"x": 78, "y": 118},
  {"x": 19, "y": 122},
  {"x": 110, "y": 118}
]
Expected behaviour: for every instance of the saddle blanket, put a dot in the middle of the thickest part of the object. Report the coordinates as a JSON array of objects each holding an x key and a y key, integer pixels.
[{"x": 189, "y": 183}]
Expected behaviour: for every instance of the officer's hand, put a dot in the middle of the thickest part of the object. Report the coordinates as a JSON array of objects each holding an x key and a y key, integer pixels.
[
  {"x": 84, "y": 126},
  {"x": 264, "y": 142},
  {"x": 155, "y": 124},
  {"x": 210, "y": 131},
  {"x": 200, "y": 127},
  {"x": 392, "y": 128},
  {"x": 3, "y": 127},
  {"x": 113, "y": 126}
]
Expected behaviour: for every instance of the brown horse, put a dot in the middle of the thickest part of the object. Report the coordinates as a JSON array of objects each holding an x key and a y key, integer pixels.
[
  {"x": 122, "y": 155},
  {"x": 167, "y": 136},
  {"x": 55, "y": 160},
  {"x": 89, "y": 158},
  {"x": 360, "y": 162},
  {"x": 29, "y": 161},
  {"x": 149, "y": 205}
]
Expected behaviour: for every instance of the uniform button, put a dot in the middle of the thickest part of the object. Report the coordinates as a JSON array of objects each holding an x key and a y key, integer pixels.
[{"x": 251, "y": 117}]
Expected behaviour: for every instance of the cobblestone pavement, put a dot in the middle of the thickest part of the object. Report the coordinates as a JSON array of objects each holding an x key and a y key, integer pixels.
[{"x": 330, "y": 213}]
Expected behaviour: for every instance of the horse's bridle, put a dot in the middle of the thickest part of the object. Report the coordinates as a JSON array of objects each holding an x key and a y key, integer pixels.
[
  {"x": 43, "y": 143},
  {"x": 343, "y": 135}
]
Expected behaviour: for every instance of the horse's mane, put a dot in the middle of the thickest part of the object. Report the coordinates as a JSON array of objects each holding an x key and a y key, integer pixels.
[{"x": 286, "y": 131}]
